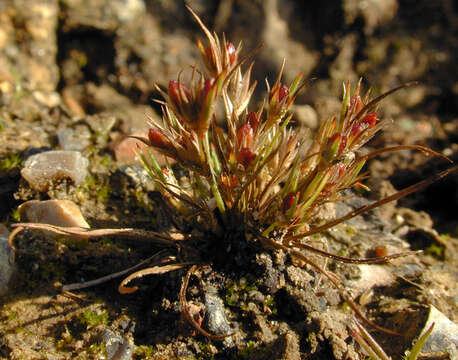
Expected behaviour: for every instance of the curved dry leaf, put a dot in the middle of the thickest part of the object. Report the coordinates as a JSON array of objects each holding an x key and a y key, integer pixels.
[{"x": 155, "y": 270}]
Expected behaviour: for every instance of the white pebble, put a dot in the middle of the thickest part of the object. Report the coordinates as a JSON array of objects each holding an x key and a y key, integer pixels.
[
  {"x": 43, "y": 168},
  {"x": 54, "y": 212}
]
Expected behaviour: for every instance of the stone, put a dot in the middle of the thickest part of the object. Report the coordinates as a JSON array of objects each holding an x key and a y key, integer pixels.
[
  {"x": 54, "y": 212},
  {"x": 40, "y": 170},
  {"x": 6, "y": 263},
  {"x": 215, "y": 317},
  {"x": 126, "y": 149},
  {"x": 374, "y": 12},
  {"x": 118, "y": 347},
  {"x": 443, "y": 337},
  {"x": 138, "y": 175},
  {"x": 72, "y": 139}
]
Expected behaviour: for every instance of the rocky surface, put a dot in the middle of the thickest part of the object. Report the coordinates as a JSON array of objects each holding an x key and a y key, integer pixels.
[
  {"x": 41, "y": 170},
  {"x": 80, "y": 76}
]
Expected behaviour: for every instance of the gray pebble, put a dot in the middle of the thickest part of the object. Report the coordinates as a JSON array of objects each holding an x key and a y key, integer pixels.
[
  {"x": 6, "y": 265},
  {"x": 43, "y": 168},
  {"x": 118, "y": 347},
  {"x": 216, "y": 317},
  {"x": 70, "y": 139},
  {"x": 138, "y": 175}
]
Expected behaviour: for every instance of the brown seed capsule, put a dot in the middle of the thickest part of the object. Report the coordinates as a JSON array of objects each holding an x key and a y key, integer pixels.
[
  {"x": 380, "y": 251},
  {"x": 245, "y": 157}
]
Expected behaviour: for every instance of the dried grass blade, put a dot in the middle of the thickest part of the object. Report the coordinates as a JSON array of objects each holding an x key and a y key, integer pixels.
[
  {"x": 374, "y": 260},
  {"x": 400, "y": 194},
  {"x": 155, "y": 270}
]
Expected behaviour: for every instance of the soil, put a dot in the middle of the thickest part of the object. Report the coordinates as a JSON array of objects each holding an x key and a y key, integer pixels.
[{"x": 93, "y": 69}]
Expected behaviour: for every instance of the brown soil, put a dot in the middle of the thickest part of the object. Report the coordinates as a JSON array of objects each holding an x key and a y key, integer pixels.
[{"x": 64, "y": 64}]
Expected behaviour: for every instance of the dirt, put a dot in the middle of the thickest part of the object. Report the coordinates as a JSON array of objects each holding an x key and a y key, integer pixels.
[{"x": 93, "y": 69}]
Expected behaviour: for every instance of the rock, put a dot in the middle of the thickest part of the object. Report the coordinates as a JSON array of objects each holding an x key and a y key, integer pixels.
[
  {"x": 280, "y": 45},
  {"x": 101, "y": 14},
  {"x": 138, "y": 176},
  {"x": 101, "y": 123},
  {"x": 42, "y": 169},
  {"x": 125, "y": 150},
  {"x": 305, "y": 115},
  {"x": 6, "y": 266},
  {"x": 54, "y": 212},
  {"x": 372, "y": 275},
  {"x": 127, "y": 10},
  {"x": 118, "y": 347},
  {"x": 74, "y": 139},
  {"x": 50, "y": 99},
  {"x": 374, "y": 12},
  {"x": 215, "y": 317},
  {"x": 443, "y": 337},
  {"x": 298, "y": 276}
]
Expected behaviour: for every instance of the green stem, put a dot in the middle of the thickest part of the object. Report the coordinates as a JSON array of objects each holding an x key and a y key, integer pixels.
[{"x": 213, "y": 183}]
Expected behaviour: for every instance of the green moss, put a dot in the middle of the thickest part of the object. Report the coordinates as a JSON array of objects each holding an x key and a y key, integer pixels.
[
  {"x": 10, "y": 162},
  {"x": 144, "y": 352},
  {"x": 350, "y": 230},
  {"x": 206, "y": 352},
  {"x": 66, "y": 339},
  {"x": 436, "y": 250},
  {"x": 92, "y": 318},
  {"x": 248, "y": 350},
  {"x": 270, "y": 303},
  {"x": 97, "y": 186},
  {"x": 12, "y": 315},
  {"x": 98, "y": 349},
  {"x": 15, "y": 215}
]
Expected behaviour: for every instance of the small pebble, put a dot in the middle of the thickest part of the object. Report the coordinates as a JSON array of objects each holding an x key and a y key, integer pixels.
[
  {"x": 50, "y": 99},
  {"x": 138, "y": 175},
  {"x": 77, "y": 140},
  {"x": 54, "y": 212},
  {"x": 216, "y": 317},
  {"x": 126, "y": 150},
  {"x": 444, "y": 336},
  {"x": 43, "y": 168},
  {"x": 6, "y": 266},
  {"x": 118, "y": 348}
]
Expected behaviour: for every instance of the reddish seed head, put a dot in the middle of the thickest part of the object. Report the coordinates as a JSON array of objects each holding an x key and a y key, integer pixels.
[
  {"x": 156, "y": 138},
  {"x": 230, "y": 48},
  {"x": 245, "y": 157},
  {"x": 341, "y": 169},
  {"x": 207, "y": 87},
  {"x": 288, "y": 201},
  {"x": 174, "y": 91},
  {"x": 253, "y": 120},
  {"x": 370, "y": 119},
  {"x": 283, "y": 92},
  {"x": 245, "y": 134},
  {"x": 356, "y": 129},
  {"x": 342, "y": 144}
]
